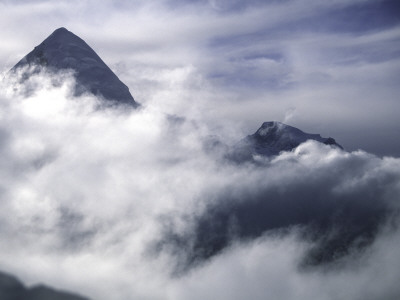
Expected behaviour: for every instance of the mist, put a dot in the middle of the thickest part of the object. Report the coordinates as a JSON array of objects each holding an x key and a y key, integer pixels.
[{"x": 130, "y": 204}]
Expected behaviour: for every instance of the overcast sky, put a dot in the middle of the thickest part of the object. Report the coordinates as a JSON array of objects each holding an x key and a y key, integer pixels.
[
  {"x": 328, "y": 67},
  {"x": 128, "y": 204}
]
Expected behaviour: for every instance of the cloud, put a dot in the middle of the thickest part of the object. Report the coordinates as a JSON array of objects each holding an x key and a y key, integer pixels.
[
  {"x": 339, "y": 200},
  {"x": 267, "y": 269},
  {"x": 87, "y": 194}
]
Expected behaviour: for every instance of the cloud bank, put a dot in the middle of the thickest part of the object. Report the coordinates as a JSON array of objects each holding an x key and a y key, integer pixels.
[{"x": 121, "y": 204}]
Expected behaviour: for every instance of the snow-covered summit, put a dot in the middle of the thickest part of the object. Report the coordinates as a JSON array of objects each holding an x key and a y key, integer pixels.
[
  {"x": 272, "y": 138},
  {"x": 285, "y": 136},
  {"x": 63, "y": 50}
]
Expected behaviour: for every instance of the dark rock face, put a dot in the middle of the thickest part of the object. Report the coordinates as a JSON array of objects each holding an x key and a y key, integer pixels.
[
  {"x": 272, "y": 138},
  {"x": 12, "y": 289},
  {"x": 63, "y": 50}
]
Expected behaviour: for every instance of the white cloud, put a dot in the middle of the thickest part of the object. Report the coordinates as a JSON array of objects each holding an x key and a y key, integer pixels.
[{"x": 86, "y": 192}]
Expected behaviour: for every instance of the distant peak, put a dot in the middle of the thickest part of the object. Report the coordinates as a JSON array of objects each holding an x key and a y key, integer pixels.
[
  {"x": 274, "y": 124},
  {"x": 270, "y": 123},
  {"x": 272, "y": 127},
  {"x": 273, "y": 137},
  {"x": 63, "y": 36},
  {"x": 63, "y": 50},
  {"x": 61, "y": 29}
]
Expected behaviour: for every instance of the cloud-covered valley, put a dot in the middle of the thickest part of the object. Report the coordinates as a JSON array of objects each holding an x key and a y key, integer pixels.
[{"x": 119, "y": 203}]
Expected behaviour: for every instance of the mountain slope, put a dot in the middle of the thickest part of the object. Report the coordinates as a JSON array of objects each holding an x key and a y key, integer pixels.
[
  {"x": 63, "y": 50},
  {"x": 12, "y": 289}
]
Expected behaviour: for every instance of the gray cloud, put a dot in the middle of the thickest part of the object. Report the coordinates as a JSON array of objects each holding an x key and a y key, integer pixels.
[
  {"x": 266, "y": 269},
  {"x": 340, "y": 202}
]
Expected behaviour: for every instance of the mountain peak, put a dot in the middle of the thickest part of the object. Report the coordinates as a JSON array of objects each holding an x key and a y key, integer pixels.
[
  {"x": 63, "y": 34},
  {"x": 61, "y": 29},
  {"x": 272, "y": 138},
  {"x": 274, "y": 126},
  {"x": 271, "y": 124},
  {"x": 63, "y": 50}
]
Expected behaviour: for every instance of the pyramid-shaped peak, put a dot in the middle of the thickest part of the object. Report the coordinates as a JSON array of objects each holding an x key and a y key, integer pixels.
[
  {"x": 63, "y": 50},
  {"x": 61, "y": 30},
  {"x": 63, "y": 38}
]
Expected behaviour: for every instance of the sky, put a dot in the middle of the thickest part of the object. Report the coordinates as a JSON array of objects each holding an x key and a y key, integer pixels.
[
  {"x": 130, "y": 205},
  {"x": 329, "y": 68}
]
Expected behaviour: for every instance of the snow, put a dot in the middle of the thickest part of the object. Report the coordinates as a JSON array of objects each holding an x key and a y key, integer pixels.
[{"x": 274, "y": 137}]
